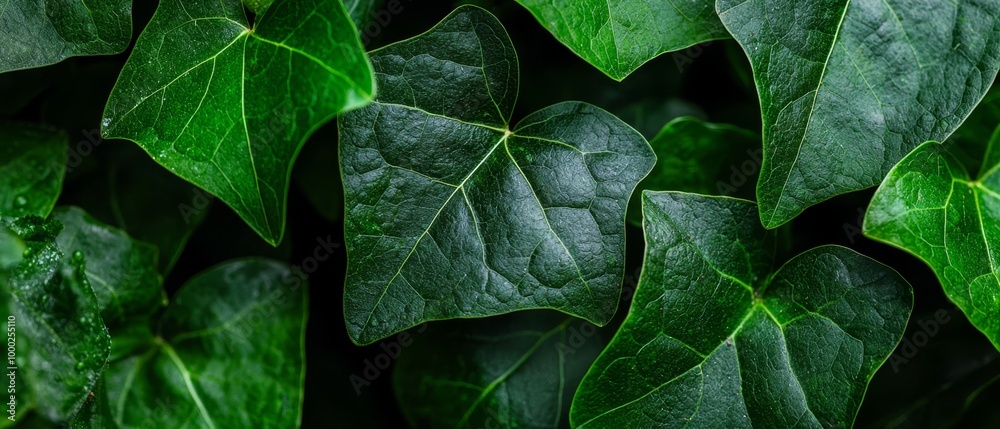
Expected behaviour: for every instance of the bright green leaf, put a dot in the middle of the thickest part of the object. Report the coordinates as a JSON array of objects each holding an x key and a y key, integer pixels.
[
  {"x": 713, "y": 339},
  {"x": 702, "y": 158},
  {"x": 618, "y": 36},
  {"x": 518, "y": 370},
  {"x": 32, "y": 166},
  {"x": 229, "y": 354},
  {"x": 847, "y": 88},
  {"x": 60, "y": 340},
  {"x": 42, "y": 32},
  {"x": 451, "y": 213},
  {"x": 227, "y": 106},
  {"x": 931, "y": 207}
]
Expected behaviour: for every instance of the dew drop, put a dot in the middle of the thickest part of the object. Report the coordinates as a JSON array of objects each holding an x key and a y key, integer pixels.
[
  {"x": 78, "y": 256},
  {"x": 20, "y": 201},
  {"x": 79, "y": 366}
]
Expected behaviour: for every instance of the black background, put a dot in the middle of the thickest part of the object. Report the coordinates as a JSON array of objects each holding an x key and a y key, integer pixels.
[{"x": 948, "y": 383}]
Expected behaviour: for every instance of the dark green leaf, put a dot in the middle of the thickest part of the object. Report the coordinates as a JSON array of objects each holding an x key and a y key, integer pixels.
[
  {"x": 228, "y": 354},
  {"x": 227, "y": 106},
  {"x": 702, "y": 158},
  {"x": 61, "y": 342},
  {"x": 451, "y": 213},
  {"x": 618, "y": 36},
  {"x": 847, "y": 88},
  {"x": 121, "y": 271},
  {"x": 38, "y": 33},
  {"x": 32, "y": 166},
  {"x": 931, "y": 207},
  {"x": 518, "y": 370},
  {"x": 714, "y": 340},
  {"x": 257, "y": 6}
]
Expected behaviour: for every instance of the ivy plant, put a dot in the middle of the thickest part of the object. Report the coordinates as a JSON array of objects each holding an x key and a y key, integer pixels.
[{"x": 500, "y": 213}]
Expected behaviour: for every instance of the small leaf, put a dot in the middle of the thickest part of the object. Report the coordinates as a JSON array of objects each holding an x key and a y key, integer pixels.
[
  {"x": 229, "y": 354},
  {"x": 32, "y": 166},
  {"x": 38, "y": 33},
  {"x": 931, "y": 207},
  {"x": 450, "y": 213},
  {"x": 227, "y": 107},
  {"x": 518, "y": 370},
  {"x": 61, "y": 343},
  {"x": 848, "y": 88},
  {"x": 121, "y": 271},
  {"x": 701, "y": 158},
  {"x": 618, "y": 36},
  {"x": 714, "y": 340}
]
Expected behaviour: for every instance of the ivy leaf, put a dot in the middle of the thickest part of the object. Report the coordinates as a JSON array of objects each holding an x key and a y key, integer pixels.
[
  {"x": 518, "y": 370},
  {"x": 227, "y": 106},
  {"x": 228, "y": 354},
  {"x": 38, "y": 33},
  {"x": 60, "y": 340},
  {"x": 714, "y": 340},
  {"x": 32, "y": 166},
  {"x": 451, "y": 213},
  {"x": 847, "y": 88},
  {"x": 619, "y": 36},
  {"x": 931, "y": 207},
  {"x": 121, "y": 271},
  {"x": 701, "y": 158}
]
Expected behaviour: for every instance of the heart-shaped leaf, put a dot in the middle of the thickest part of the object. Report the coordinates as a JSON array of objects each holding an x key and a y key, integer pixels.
[
  {"x": 451, "y": 213},
  {"x": 847, "y": 88},
  {"x": 618, "y": 36},
  {"x": 931, "y": 207},
  {"x": 38, "y": 33},
  {"x": 228, "y": 353},
  {"x": 713, "y": 339},
  {"x": 32, "y": 166},
  {"x": 518, "y": 370},
  {"x": 227, "y": 106}
]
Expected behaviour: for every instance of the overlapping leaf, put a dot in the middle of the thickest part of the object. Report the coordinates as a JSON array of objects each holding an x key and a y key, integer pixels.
[
  {"x": 618, "y": 36},
  {"x": 32, "y": 166},
  {"x": 930, "y": 206},
  {"x": 714, "y": 339},
  {"x": 227, "y": 353},
  {"x": 702, "y": 158},
  {"x": 227, "y": 106},
  {"x": 518, "y": 370},
  {"x": 451, "y": 213},
  {"x": 847, "y": 88},
  {"x": 41, "y": 32}
]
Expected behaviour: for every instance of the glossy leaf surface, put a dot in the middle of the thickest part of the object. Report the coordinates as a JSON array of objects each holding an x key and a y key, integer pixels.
[
  {"x": 227, "y": 106},
  {"x": 42, "y": 32},
  {"x": 451, "y": 213},
  {"x": 848, "y": 88},
  {"x": 930, "y": 206},
  {"x": 714, "y": 339},
  {"x": 618, "y": 36},
  {"x": 32, "y": 167}
]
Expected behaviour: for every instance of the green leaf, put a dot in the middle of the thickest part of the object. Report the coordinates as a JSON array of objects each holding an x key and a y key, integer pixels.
[
  {"x": 713, "y": 339},
  {"x": 38, "y": 33},
  {"x": 451, "y": 213},
  {"x": 121, "y": 271},
  {"x": 361, "y": 11},
  {"x": 32, "y": 166},
  {"x": 701, "y": 158},
  {"x": 229, "y": 353},
  {"x": 227, "y": 106},
  {"x": 931, "y": 207},
  {"x": 618, "y": 36},
  {"x": 518, "y": 370},
  {"x": 61, "y": 343},
  {"x": 257, "y": 6},
  {"x": 847, "y": 88},
  {"x": 11, "y": 251}
]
